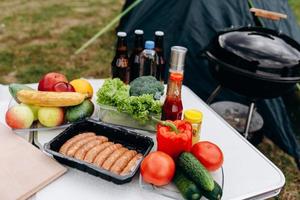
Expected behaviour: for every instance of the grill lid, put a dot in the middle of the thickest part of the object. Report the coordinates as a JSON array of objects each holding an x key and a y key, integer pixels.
[{"x": 258, "y": 50}]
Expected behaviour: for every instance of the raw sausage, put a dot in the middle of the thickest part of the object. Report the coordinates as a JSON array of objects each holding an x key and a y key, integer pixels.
[
  {"x": 131, "y": 164},
  {"x": 123, "y": 161},
  {"x": 103, "y": 155},
  {"x": 92, "y": 153},
  {"x": 80, "y": 153},
  {"x": 72, "y": 150},
  {"x": 113, "y": 157},
  {"x": 64, "y": 148}
]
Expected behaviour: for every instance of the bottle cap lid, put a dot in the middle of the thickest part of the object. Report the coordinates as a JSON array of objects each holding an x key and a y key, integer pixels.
[
  {"x": 149, "y": 44},
  {"x": 121, "y": 34},
  {"x": 177, "y": 58},
  {"x": 139, "y": 32},
  {"x": 193, "y": 116},
  {"x": 159, "y": 33}
]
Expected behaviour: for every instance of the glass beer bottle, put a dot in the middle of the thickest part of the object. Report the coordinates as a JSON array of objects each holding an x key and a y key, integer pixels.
[
  {"x": 120, "y": 63},
  {"x": 134, "y": 60},
  {"x": 160, "y": 63}
]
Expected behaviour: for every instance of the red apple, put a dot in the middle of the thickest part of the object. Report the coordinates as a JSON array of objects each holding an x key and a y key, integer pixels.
[
  {"x": 19, "y": 116},
  {"x": 49, "y": 80},
  {"x": 63, "y": 87}
]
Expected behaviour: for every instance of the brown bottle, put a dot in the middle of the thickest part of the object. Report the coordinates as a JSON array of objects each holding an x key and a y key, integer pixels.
[
  {"x": 134, "y": 59},
  {"x": 160, "y": 63},
  {"x": 120, "y": 64}
]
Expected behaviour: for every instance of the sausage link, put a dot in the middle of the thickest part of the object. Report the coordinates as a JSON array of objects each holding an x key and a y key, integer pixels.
[
  {"x": 113, "y": 157},
  {"x": 103, "y": 155},
  {"x": 92, "y": 153},
  {"x": 123, "y": 161},
  {"x": 80, "y": 153},
  {"x": 64, "y": 148},
  {"x": 131, "y": 164},
  {"x": 72, "y": 150}
]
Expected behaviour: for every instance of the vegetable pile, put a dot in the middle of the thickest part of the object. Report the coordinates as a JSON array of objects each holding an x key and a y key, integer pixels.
[
  {"x": 193, "y": 164},
  {"x": 115, "y": 93},
  {"x": 189, "y": 175}
]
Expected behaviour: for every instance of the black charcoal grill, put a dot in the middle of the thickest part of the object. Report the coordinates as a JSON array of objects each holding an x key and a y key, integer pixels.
[{"x": 254, "y": 61}]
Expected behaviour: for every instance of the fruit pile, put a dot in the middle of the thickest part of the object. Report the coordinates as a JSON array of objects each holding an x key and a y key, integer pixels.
[
  {"x": 55, "y": 102},
  {"x": 187, "y": 165}
]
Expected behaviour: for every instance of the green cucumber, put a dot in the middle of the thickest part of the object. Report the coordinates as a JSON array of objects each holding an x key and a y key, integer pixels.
[
  {"x": 187, "y": 188},
  {"x": 14, "y": 88},
  {"x": 215, "y": 194},
  {"x": 79, "y": 112},
  {"x": 196, "y": 171}
]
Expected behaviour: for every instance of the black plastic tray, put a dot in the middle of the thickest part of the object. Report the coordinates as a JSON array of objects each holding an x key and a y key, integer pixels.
[{"x": 128, "y": 138}]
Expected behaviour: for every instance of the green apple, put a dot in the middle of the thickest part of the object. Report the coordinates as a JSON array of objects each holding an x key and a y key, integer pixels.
[
  {"x": 51, "y": 116},
  {"x": 34, "y": 109}
]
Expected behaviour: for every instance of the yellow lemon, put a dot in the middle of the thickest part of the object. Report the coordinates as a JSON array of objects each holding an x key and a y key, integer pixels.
[{"x": 82, "y": 86}]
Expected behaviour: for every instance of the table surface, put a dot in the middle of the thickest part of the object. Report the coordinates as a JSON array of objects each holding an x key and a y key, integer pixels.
[{"x": 248, "y": 173}]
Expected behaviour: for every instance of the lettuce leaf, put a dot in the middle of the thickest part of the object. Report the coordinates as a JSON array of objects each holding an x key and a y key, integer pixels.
[{"x": 115, "y": 93}]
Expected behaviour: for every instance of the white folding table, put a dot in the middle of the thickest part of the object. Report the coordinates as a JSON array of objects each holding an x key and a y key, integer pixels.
[{"x": 248, "y": 173}]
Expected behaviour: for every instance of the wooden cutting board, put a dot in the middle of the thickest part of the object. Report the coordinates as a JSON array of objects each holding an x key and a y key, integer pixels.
[{"x": 24, "y": 169}]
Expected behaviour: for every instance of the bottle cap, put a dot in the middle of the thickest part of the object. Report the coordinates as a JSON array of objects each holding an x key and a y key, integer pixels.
[
  {"x": 159, "y": 33},
  {"x": 121, "y": 34},
  {"x": 177, "y": 58},
  {"x": 139, "y": 32},
  {"x": 193, "y": 116},
  {"x": 149, "y": 44}
]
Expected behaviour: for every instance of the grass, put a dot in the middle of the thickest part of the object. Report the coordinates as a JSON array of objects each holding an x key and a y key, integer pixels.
[
  {"x": 41, "y": 36},
  {"x": 45, "y": 38}
]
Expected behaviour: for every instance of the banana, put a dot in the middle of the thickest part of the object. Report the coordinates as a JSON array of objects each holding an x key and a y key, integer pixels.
[{"x": 50, "y": 99}]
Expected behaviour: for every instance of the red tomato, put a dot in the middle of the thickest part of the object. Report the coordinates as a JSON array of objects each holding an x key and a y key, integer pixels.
[
  {"x": 63, "y": 87},
  {"x": 209, "y": 154},
  {"x": 158, "y": 168}
]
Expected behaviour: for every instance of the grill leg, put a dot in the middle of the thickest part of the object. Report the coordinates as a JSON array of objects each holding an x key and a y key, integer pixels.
[
  {"x": 214, "y": 94},
  {"x": 249, "y": 118}
]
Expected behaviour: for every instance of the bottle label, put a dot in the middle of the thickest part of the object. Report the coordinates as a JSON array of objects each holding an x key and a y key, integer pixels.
[{"x": 122, "y": 63}]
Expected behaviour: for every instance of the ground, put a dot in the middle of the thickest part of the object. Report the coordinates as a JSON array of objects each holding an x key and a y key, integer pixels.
[{"x": 40, "y": 36}]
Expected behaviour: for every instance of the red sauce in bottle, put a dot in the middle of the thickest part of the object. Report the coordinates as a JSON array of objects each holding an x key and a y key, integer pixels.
[{"x": 172, "y": 108}]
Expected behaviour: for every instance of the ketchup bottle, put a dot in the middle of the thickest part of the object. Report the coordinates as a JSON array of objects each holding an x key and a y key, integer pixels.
[{"x": 172, "y": 108}]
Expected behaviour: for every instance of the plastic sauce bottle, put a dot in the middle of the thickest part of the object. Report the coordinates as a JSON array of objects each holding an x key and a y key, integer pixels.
[
  {"x": 120, "y": 63},
  {"x": 148, "y": 60},
  {"x": 172, "y": 108},
  {"x": 195, "y": 117},
  {"x": 134, "y": 59}
]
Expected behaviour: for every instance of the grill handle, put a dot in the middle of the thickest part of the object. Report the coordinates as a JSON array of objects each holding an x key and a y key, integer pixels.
[{"x": 275, "y": 16}]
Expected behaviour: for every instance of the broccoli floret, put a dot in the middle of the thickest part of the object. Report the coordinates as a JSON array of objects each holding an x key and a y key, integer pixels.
[{"x": 146, "y": 85}]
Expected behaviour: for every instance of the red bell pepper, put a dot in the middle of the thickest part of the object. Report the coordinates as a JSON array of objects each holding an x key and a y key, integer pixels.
[{"x": 174, "y": 140}]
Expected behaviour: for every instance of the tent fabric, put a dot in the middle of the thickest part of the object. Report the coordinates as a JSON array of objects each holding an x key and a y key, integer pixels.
[{"x": 193, "y": 23}]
